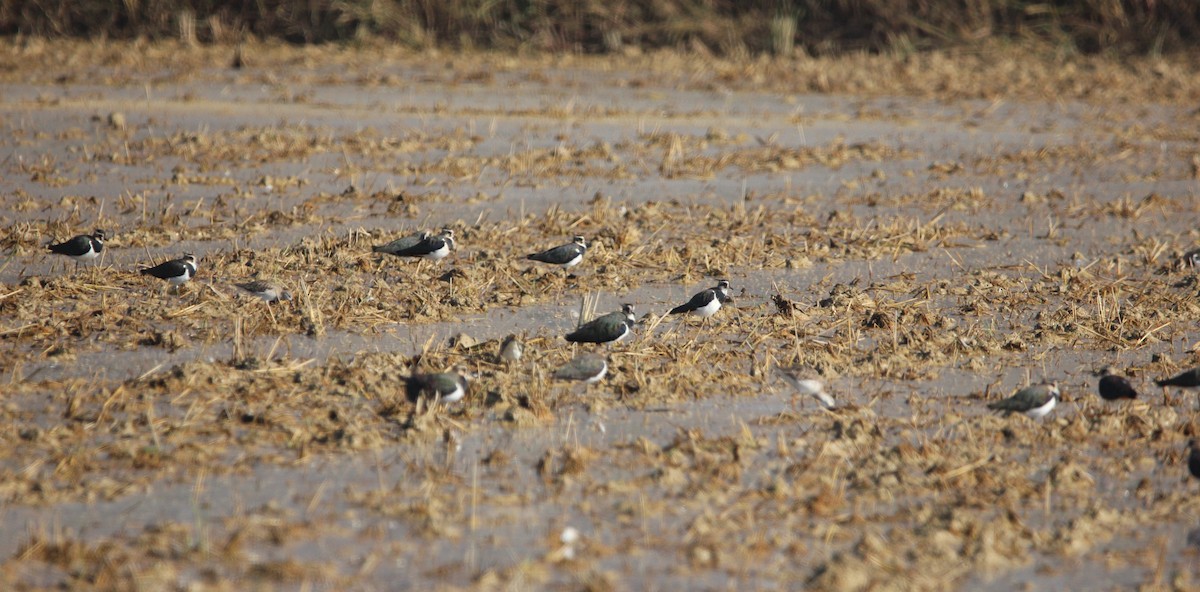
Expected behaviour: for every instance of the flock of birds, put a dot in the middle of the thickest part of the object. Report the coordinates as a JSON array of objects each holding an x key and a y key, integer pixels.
[{"x": 1035, "y": 401}]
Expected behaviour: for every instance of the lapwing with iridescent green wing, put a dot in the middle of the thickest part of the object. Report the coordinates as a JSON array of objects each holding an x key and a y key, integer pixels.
[
  {"x": 1113, "y": 386},
  {"x": 1188, "y": 379},
  {"x": 609, "y": 328},
  {"x": 568, "y": 255},
  {"x": 705, "y": 303},
  {"x": 401, "y": 245},
  {"x": 268, "y": 291},
  {"x": 443, "y": 387},
  {"x": 84, "y": 247},
  {"x": 434, "y": 247},
  {"x": 1034, "y": 401},
  {"x": 587, "y": 368},
  {"x": 176, "y": 271}
]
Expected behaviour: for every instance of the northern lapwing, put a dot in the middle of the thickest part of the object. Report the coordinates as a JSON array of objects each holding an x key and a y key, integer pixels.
[
  {"x": 176, "y": 271},
  {"x": 588, "y": 369},
  {"x": 1194, "y": 458},
  {"x": 705, "y": 303},
  {"x": 84, "y": 247},
  {"x": 568, "y": 255},
  {"x": 268, "y": 291},
  {"x": 1186, "y": 379},
  {"x": 810, "y": 388},
  {"x": 1034, "y": 401},
  {"x": 400, "y": 246},
  {"x": 511, "y": 349},
  {"x": 443, "y": 387},
  {"x": 1113, "y": 386},
  {"x": 609, "y": 328},
  {"x": 433, "y": 247}
]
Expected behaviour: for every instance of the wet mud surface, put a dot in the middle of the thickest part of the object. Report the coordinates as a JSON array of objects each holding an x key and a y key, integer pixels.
[{"x": 921, "y": 252}]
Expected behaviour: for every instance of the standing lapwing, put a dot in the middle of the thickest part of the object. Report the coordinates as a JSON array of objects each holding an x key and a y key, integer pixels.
[
  {"x": 1034, "y": 401},
  {"x": 587, "y": 368},
  {"x": 809, "y": 387},
  {"x": 705, "y": 303},
  {"x": 434, "y": 247},
  {"x": 268, "y": 291},
  {"x": 442, "y": 387},
  {"x": 609, "y": 328},
  {"x": 568, "y": 255},
  {"x": 1186, "y": 379},
  {"x": 511, "y": 349},
  {"x": 84, "y": 247},
  {"x": 400, "y": 246},
  {"x": 176, "y": 271},
  {"x": 1113, "y": 386}
]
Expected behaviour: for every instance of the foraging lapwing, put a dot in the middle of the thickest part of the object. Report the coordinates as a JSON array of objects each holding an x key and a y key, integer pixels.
[
  {"x": 1194, "y": 458},
  {"x": 1186, "y": 379},
  {"x": 84, "y": 247},
  {"x": 268, "y": 291},
  {"x": 609, "y": 328},
  {"x": 443, "y": 387},
  {"x": 1034, "y": 401},
  {"x": 1113, "y": 386},
  {"x": 433, "y": 247},
  {"x": 399, "y": 246},
  {"x": 176, "y": 271},
  {"x": 809, "y": 387},
  {"x": 705, "y": 303},
  {"x": 586, "y": 368},
  {"x": 511, "y": 349},
  {"x": 568, "y": 255}
]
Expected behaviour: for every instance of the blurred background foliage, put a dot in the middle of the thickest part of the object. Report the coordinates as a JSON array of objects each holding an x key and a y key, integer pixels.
[{"x": 725, "y": 27}]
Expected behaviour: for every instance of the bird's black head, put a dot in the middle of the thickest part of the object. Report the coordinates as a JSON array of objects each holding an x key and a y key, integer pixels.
[
  {"x": 579, "y": 240},
  {"x": 628, "y": 310},
  {"x": 723, "y": 285},
  {"x": 98, "y": 234}
]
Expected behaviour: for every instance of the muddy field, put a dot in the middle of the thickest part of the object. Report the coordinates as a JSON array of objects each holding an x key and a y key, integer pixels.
[{"x": 925, "y": 235}]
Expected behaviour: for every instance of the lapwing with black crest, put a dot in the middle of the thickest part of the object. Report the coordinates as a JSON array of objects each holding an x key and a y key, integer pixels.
[
  {"x": 84, "y": 247},
  {"x": 176, "y": 271},
  {"x": 1034, "y": 401},
  {"x": 610, "y": 328},
  {"x": 705, "y": 303},
  {"x": 441, "y": 387},
  {"x": 1113, "y": 386},
  {"x": 433, "y": 247},
  {"x": 567, "y": 256},
  {"x": 267, "y": 291},
  {"x": 586, "y": 368}
]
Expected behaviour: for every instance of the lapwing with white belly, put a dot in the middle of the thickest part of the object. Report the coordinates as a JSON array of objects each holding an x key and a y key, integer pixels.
[
  {"x": 568, "y": 255},
  {"x": 705, "y": 303},
  {"x": 176, "y": 271},
  {"x": 84, "y": 247},
  {"x": 267, "y": 291},
  {"x": 1034, "y": 401},
  {"x": 609, "y": 328},
  {"x": 587, "y": 368},
  {"x": 442, "y": 387},
  {"x": 809, "y": 387}
]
